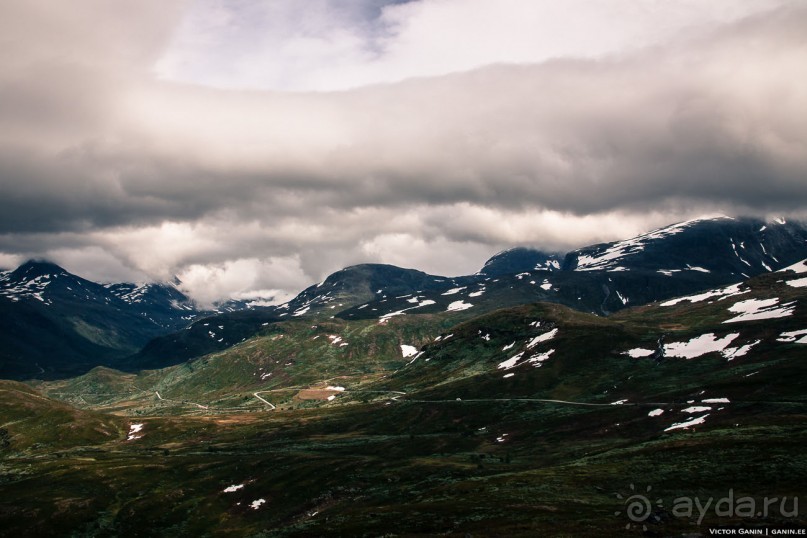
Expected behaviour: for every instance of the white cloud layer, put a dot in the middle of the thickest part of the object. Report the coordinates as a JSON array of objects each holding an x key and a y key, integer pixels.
[
  {"x": 245, "y": 279},
  {"x": 325, "y": 45},
  {"x": 597, "y": 121}
]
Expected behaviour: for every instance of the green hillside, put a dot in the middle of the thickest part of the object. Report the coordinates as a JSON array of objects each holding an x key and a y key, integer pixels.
[
  {"x": 530, "y": 421},
  {"x": 31, "y": 422}
]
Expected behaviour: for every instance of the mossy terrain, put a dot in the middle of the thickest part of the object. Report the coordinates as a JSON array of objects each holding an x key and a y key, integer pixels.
[{"x": 459, "y": 440}]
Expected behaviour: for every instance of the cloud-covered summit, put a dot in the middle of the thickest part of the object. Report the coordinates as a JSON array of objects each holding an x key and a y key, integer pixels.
[{"x": 114, "y": 171}]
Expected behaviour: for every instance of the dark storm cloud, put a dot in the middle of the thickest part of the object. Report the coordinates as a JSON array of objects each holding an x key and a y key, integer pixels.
[{"x": 98, "y": 153}]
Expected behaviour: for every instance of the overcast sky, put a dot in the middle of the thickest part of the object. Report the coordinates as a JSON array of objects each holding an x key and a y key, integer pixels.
[{"x": 253, "y": 147}]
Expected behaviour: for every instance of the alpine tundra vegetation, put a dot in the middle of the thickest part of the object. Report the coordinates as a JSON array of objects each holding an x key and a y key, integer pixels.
[
  {"x": 380, "y": 268},
  {"x": 367, "y": 403}
]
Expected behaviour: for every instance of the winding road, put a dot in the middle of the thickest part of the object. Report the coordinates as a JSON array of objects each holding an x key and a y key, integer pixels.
[
  {"x": 159, "y": 397},
  {"x": 264, "y": 401}
]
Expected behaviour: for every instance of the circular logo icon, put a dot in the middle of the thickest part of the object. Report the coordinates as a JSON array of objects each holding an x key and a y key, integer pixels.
[{"x": 637, "y": 507}]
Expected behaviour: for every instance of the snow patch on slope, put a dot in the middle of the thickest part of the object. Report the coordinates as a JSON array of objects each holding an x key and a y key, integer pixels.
[
  {"x": 458, "y": 306},
  {"x": 408, "y": 351},
  {"x": 798, "y": 268},
  {"x": 420, "y": 304},
  {"x": 732, "y": 353},
  {"x": 32, "y": 289},
  {"x": 542, "y": 338},
  {"x": 721, "y": 294},
  {"x": 134, "y": 429},
  {"x": 793, "y": 337},
  {"x": 687, "y": 424},
  {"x": 538, "y": 359},
  {"x": 453, "y": 291},
  {"x": 637, "y": 353},
  {"x": 756, "y": 309},
  {"x": 696, "y": 409},
  {"x": 511, "y": 362},
  {"x": 700, "y": 345}
]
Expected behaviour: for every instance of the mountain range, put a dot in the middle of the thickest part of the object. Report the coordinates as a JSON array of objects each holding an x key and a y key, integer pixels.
[
  {"x": 530, "y": 399},
  {"x": 56, "y": 324},
  {"x": 529, "y": 420}
]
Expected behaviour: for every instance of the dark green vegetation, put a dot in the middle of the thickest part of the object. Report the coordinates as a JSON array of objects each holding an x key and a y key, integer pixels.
[
  {"x": 444, "y": 443},
  {"x": 385, "y": 401},
  {"x": 205, "y": 336},
  {"x": 34, "y": 422}
]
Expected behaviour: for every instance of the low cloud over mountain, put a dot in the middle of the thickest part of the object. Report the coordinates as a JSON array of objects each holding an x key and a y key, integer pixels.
[{"x": 116, "y": 160}]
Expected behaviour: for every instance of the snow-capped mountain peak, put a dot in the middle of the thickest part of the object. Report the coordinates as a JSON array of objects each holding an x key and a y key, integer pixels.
[
  {"x": 608, "y": 258},
  {"x": 520, "y": 259},
  {"x": 742, "y": 246},
  {"x": 30, "y": 280}
]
